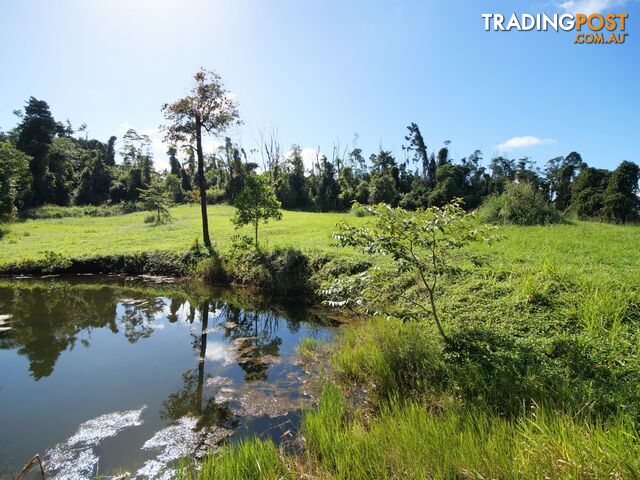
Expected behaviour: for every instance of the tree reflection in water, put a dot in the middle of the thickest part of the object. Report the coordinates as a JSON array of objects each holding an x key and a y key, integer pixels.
[
  {"x": 48, "y": 318},
  {"x": 51, "y": 317},
  {"x": 254, "y": 337},
  {"x": 190, "y": 400}
]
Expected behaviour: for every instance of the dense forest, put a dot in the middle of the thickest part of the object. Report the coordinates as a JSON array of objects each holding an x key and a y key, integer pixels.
[{"x": 44, "y": 161}]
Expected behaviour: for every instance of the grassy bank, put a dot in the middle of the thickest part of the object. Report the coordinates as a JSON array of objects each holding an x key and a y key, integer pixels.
[
  {"x": 548, "y": 316},
  {"x": 405, "y": 440}
]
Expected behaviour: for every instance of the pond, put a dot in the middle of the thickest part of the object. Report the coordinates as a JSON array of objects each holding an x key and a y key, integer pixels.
[{"x": 102, "y": 376}]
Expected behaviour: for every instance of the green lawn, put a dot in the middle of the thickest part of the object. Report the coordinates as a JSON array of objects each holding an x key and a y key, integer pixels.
[
  {"x": 83, "y": 236},
  {"x": 591, "y": 248}
]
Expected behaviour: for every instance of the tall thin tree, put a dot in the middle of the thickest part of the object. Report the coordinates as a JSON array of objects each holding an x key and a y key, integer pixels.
[{"x": 209, "y": 110}]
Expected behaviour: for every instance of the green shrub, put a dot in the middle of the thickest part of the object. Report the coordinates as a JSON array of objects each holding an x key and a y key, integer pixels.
[
  {"x": 359, "y": 211},
  {"x": 216, "y": 196},
  {"x": 240, "y": 244},
  {"x": 282, "y": 271},
  {"x": 55, "y": 211},
  {"x": 212, "y": 270},
  {"x": 519, "y": 204},
  {"x": 54, "y": 262}
]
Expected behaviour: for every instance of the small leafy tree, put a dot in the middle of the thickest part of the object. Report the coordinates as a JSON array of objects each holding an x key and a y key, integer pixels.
[
  {"x": 156, "y": 199},
  {"x": 256, "y": 203},
  {"x": 420, "y": 242}
]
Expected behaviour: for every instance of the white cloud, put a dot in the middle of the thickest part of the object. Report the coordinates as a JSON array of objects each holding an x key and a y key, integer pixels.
[
  {"x": 309, "y": 157},
  {"x": 217, "y": 352},
  {"x": 590, "y": 6},
  {"x": 522, "y": 142}
]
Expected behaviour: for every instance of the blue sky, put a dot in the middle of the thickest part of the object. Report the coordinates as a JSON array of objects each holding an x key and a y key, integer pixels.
[{"x": 321, "y": 71}]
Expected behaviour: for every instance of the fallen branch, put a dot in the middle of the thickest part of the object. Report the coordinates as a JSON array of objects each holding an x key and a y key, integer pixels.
[{"x": 28, "y": 466}]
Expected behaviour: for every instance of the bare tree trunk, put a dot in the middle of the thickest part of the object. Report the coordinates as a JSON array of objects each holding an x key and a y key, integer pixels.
[
  {"x": 202, "y": 184},
  {"x": 203, "y": 353}
]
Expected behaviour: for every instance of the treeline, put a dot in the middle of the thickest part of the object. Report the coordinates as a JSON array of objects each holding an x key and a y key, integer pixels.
[{"x": 43, "y": 161}]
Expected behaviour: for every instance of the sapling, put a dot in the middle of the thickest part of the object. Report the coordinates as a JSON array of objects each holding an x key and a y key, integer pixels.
[
  {"x": 421, "y": 242},
  {"x": 157, "y": 200},
  {"x": 256, "y": 203}
]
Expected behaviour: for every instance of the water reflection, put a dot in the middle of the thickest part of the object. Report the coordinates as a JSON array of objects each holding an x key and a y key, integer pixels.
[
  {"x": 206, "y": 363},
  {"x": 190, "y": 399},
  {"x": 49, "y": 318}
]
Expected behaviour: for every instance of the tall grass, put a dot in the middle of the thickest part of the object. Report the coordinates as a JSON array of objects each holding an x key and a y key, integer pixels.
[
  {"x": 405, "y": 440},
  {"x": 400, "y": 358},
  {"x": 309, "y": 348},
  {"x": 496, "y": 368},
  {"x": 408, "y": 441},
  {"x": 249, "y": 459}
]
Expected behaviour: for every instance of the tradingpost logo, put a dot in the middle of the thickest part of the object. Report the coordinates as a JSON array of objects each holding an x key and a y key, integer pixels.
[{"x": 593, "y": 29}]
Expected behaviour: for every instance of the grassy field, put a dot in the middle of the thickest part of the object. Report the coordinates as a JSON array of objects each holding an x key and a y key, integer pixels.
[
  {"x": 82, "y": 236},
  {"x": 586, "y": 246}
]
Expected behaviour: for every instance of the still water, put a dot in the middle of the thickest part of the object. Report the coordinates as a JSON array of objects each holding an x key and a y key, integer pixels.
[{"x": 102, "y": 376}]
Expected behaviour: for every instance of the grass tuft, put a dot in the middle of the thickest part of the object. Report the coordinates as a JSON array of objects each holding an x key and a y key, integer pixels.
[{"x": 249, "y": 459}]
